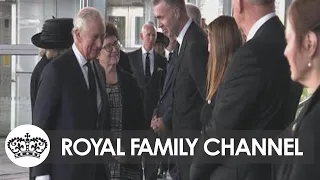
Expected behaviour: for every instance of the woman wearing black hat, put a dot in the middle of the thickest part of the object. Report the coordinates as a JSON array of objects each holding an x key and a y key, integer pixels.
[
  {"x": 162, "y": 42},
  {"x": 54, "y": 40}
]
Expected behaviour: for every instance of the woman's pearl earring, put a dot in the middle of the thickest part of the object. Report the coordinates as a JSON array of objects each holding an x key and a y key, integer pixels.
[{"x": 309, "y": 64}]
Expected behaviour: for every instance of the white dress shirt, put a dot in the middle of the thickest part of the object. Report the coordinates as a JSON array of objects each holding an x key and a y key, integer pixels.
[
  {"x": 183, "y": 32},
  {"x": 151, "y": 57},
  {"x": 167, "y": 53},
  {"x": 258, "y": 25}
]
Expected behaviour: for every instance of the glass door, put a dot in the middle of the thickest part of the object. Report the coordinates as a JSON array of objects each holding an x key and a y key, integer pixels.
[
  {"x": 129, "y": 21},
  {"x": 19, "y": 21}
]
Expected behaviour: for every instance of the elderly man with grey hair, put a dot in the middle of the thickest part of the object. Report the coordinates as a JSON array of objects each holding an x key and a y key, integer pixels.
[
  {"x": 256, "y": 88},
  {"x": 194, "y": 13},
  {"x": 72, "y": 97}
]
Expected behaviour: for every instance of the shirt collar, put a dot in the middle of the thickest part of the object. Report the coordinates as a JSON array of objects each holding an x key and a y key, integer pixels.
[
  {"x": 258, "y": 24},
  {"x": 183, "y": 31},
  {"x": 144, "y": 51},
  {"x": 81, "y": 60},
  {"x": 167, "y": 52}
]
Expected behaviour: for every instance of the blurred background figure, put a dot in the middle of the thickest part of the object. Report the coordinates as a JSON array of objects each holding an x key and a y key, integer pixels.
[
  {"x": 149, "y": 68},
  {"x": 54, "y": 39},
  {"x": 161, "y": 43},
  {"x": 170, "y": 47},
  {"x": 303, "y": 54},
  {"x": 125, "y": 105},
  {"x": 204, "y": 25},
  {"x": 194, "y": 13}
]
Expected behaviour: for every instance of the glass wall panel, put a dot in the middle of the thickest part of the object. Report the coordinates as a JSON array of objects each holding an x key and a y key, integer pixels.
[
  {"x": 19, "y": 21},
  {"x": 22, "y": 99}
]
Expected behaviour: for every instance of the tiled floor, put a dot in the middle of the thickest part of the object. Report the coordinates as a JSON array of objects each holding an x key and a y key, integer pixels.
[{"x": 10, "y": 171}]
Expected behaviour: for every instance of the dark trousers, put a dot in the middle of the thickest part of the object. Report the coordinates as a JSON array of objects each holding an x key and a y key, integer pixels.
[
  {"x": 151, "y": 163},
  {"x": 101, "y": 173}
]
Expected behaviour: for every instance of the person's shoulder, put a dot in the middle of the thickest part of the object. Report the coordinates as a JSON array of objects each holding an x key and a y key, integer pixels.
[
  {"x": 246, "y": 53},
  {"x": 41, "y": 64},
  {"x": 160, "y": 57},
  {"x": 133, "y": 52},
  {"x": 64, "y": 58},
  {"x": 128, "y": 77},
  {"x": 123, "y": 54},
  {"x": 197, "y": 34}
]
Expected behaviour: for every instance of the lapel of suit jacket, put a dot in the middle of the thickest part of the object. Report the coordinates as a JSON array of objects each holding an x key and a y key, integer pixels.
[
  {"x": 101, "y": 84},
  {"x": 155, "y": 67},
  {"x": 314, "y": 99},
  {"x": 175, "y": 63},
  {"x": 78, "y": 74},
  {"x": 170, "y": 74},
  {"x": 136, "y": 63}
]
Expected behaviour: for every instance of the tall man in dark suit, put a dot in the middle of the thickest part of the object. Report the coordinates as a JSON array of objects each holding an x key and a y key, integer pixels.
[
  {"x": 149, "y": 68},
  {"x": 162, "y": 115},
  {"x": 72, "y": 97},
  {"x": 256, "y": 92},
  {"x": 189, "y": 81},
  {"x": 55, "y": 38}
]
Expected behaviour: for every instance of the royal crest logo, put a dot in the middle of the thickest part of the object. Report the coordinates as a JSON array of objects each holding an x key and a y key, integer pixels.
[{"x": 27, "y": 146}]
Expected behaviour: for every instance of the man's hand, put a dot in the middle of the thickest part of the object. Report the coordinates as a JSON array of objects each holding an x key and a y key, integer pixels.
[
  {"x": 157, "y": 125},
  {"x": 153, "y": 124}
]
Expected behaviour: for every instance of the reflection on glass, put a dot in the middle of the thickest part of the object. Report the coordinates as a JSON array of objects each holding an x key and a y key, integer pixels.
[
  {"x": 15, "y": 91},
  {"x": 5, "y": 94},
  {"x": 120, "y": 23},
  {"x": 23, "y": 103},
  {"x": 138, "y": 27}
]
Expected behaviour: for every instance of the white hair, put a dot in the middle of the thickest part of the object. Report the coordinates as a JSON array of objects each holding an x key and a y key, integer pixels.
[
  {"x": 86, "y": 14},
  {"x": 194, "y": 12},
  {"x": 148, "y": 25}
]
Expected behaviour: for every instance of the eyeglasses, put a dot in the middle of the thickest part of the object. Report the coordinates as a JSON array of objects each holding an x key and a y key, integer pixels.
[{"x": 109, "y": 47}]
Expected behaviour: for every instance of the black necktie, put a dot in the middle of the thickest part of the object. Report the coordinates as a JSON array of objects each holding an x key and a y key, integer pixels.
[
  {"x": 177, "y": 49},
  {"x": 92, "y": 89},
  {"x": 148, "y": 73},
  {"x": 170, "y": 57}
]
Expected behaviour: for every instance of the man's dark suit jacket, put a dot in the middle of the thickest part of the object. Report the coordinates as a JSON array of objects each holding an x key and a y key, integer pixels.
[
  {"x": 189, "y": 82},
  {"x": 307, "y": 130},
  {"x": 165, "y": 103},
  {"x": 63, "y": 104},
  {"x": 124, "y": 62},
  {"x": 35, "y": 78},
  {"x": 256, "y": 94},
  {"x": 151, "y": 89},
  {"x": 189, "y": 89}
]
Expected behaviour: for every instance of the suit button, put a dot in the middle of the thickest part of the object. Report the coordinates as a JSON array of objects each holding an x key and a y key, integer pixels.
[{"x": 160, "y": 102}]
